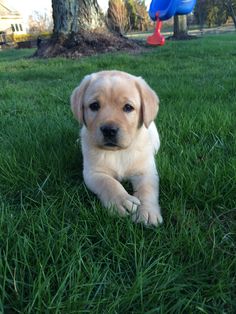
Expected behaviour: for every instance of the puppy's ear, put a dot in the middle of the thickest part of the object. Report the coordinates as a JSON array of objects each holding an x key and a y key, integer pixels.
[
  {"x": 77, "y": 98},
  {"x": 149, "y": 102}
]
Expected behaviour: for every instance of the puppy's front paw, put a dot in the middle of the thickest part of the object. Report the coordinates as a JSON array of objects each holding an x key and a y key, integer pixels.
[
  {"x": 125, "y": 204},
  {"x": 148, "y": 215}
]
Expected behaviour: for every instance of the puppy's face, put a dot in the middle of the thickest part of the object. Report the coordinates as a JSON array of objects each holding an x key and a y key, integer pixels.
[
  {"x": 111, "y": 111},
  {"x": 113, "y": 105}
]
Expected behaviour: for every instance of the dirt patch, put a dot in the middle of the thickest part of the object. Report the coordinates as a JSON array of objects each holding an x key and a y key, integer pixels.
[{"x": 86, "y": 44}]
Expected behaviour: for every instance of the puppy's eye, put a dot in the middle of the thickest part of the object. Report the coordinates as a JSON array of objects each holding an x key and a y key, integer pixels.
[
  {"x": 128, "y": 108},
  {"x": 94, "y": 106}
]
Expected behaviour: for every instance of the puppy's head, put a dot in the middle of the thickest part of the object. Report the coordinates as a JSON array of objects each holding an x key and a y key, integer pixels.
[{"x": 113, "y": 105}]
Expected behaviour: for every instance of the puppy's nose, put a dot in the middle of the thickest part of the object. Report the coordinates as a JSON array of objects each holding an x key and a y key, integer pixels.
[{"x": 109, "y": 130}]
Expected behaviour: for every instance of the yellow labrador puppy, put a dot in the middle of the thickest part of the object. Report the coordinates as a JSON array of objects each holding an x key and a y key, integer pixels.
[{"x": 119, "y": 140}]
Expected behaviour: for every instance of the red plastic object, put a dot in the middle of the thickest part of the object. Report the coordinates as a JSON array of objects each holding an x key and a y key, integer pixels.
[{"x": 156, "y": 39}]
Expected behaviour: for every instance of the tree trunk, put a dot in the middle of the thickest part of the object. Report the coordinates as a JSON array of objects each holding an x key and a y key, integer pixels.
[
  {"x": 231, "y": 11},
  {"x": 180, "y": 27},
  {"x": 80, "y": 29},
  {"x": 65, "y": 15},
  {"x": 90, "y": 16}
]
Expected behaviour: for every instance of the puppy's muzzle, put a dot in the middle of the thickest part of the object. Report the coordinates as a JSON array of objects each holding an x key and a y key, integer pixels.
[{"x": 110, "y": 134}]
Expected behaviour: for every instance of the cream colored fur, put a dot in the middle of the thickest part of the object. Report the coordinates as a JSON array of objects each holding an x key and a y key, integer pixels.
[{"x": 137, "y": 141}]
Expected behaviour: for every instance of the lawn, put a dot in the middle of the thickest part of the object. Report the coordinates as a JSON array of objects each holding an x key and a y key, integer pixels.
[{"x": 60, "y": 251}]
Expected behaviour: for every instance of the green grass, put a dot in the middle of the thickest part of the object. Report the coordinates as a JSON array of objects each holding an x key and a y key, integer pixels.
[{"x": 60, "y": 251}]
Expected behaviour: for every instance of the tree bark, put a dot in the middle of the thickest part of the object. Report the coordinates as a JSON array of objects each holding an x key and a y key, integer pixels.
[
  {"x": 180, "y": 27},
  {"x": 65, "y": 15},
  {"x": 69, "y": 16},
  {"x": 90, "y": 15}
]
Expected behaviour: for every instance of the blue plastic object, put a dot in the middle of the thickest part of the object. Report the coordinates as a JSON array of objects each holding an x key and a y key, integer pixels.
[{"x": 168, "y": 8}]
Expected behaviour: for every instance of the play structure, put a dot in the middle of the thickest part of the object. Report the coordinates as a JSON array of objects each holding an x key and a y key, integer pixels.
[{"x": 161, "y": 10}]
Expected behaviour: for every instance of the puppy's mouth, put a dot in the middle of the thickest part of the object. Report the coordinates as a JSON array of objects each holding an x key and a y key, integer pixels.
[{"x": 110, "y": 144}]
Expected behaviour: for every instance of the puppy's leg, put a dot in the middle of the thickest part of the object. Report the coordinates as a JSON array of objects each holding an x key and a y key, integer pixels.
[
  {"x": 111, "y": 192},
  {"x": 146, "y": 189}
]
